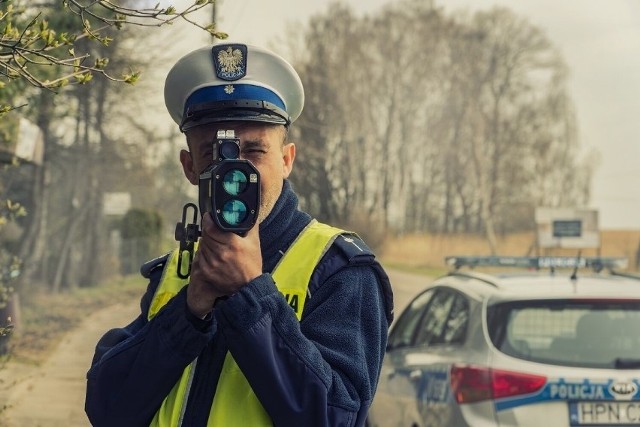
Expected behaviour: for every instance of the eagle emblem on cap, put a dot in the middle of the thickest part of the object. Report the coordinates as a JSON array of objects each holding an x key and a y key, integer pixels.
[{"x": 230, "y": 61}]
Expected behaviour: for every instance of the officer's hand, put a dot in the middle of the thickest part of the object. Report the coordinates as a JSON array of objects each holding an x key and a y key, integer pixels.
[{"x": 224, "y": 263}]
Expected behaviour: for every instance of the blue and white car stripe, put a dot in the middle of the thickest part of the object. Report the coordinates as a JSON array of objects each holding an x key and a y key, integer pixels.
[{"x": 570, "y": 390}]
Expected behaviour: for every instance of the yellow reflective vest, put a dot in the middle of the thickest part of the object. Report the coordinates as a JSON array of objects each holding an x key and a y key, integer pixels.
[{"x": 291, "y": 275}]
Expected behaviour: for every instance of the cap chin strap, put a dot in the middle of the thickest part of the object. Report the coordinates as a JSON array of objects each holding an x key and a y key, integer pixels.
[{"x": 236, "y": 110}]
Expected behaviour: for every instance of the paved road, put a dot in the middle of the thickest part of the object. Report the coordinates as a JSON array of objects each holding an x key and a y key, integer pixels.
[
  {"x": 405, "y": 287},
  {"x": 52, "y": 395}
]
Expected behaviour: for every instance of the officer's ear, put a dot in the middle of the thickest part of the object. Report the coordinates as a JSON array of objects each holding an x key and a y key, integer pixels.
[
  {"x": 288, "y": 156},
  {"x": 188, "y": 167}
]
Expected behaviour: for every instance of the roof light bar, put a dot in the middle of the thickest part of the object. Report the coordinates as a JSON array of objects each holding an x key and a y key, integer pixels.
[{"x": 596, "y": 263}]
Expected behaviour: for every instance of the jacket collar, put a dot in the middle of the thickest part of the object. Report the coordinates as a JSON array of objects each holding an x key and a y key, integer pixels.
[{"x": 280, "y": 228}]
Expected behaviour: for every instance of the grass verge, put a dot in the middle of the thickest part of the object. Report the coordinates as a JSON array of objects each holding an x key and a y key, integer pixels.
[{"x": 45, "y": 317}]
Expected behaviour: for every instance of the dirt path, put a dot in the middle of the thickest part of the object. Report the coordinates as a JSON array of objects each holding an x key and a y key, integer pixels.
[{"x": 52, "y": 395}]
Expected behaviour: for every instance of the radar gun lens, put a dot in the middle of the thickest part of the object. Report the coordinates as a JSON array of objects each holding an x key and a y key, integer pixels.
[
  {"x": 234, "y": 182},
  {"x": 234, "y": 212}
]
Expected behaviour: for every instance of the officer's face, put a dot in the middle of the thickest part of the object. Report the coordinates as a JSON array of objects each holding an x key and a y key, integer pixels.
[{"x": 262, "y": 144}]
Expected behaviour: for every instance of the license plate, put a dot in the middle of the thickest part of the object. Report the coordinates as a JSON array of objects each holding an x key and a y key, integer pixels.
[{"x": 605, "y": 413}]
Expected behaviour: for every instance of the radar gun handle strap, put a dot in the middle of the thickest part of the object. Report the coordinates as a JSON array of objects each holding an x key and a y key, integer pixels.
[{"x": 187, "y": 233}]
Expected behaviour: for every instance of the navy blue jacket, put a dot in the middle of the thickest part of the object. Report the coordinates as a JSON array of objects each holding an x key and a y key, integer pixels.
[{"x": 321, "y": 371}]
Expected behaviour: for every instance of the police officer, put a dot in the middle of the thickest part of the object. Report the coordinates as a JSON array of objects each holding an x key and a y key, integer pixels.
[{"x": 283, "y": 326}]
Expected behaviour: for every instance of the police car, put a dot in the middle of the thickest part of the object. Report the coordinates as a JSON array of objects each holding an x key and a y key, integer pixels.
[{"x": 551, "y": 343}]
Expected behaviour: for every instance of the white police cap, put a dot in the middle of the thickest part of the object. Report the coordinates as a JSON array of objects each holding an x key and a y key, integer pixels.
[{"x": 233, "y": 82}]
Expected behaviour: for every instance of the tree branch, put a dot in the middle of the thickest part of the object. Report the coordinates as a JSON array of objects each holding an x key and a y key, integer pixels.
[{"x": 23, "y": 45}]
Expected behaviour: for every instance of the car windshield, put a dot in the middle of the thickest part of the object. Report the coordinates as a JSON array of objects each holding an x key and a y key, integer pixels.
[{"x": 582, "y": 333}]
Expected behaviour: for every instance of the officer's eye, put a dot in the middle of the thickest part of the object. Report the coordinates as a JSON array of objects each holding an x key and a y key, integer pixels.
[{"x": 253, "y": 149}]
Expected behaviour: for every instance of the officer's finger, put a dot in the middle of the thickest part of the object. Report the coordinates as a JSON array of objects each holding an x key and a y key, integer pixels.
[
  {"x": 211, "y": 233},
  {"x": 204, "y": 262}
]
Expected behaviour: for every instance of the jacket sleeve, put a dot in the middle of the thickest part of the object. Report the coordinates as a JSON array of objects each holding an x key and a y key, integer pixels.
[
  {"x": 322, "y": 371},
  {"x": 135, "y": 367}
]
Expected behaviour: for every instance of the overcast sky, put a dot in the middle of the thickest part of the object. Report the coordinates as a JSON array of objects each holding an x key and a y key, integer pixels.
[{"x": 600, "y": 41}]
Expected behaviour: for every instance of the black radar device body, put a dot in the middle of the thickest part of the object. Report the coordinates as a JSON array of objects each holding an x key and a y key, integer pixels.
[{"x": 229, "y": 189}]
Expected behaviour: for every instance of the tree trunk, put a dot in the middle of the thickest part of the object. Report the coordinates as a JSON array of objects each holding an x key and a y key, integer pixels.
[{"x": 32, "y": 251}]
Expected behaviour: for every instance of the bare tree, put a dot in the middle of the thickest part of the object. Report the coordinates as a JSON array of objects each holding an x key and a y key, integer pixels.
[
  {"x": 436, "y": 122},
  {"x": 29, "y": 43}
]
